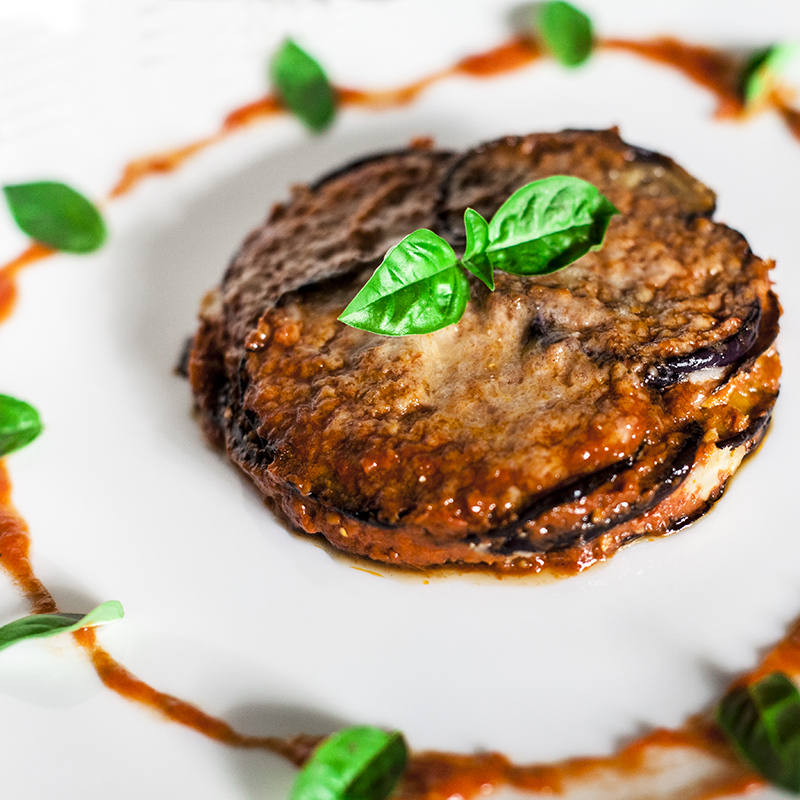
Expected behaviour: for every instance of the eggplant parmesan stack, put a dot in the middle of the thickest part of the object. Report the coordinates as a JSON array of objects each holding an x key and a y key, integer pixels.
[{"x": 564, "y": 416}]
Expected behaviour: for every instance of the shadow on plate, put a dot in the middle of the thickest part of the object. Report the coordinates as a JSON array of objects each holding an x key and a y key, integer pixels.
[{"x": 263, "y": 775}]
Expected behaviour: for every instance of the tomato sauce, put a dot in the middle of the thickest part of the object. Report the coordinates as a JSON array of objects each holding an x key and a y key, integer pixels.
[
  {"x": 8, "y": 276},
  {"x": 15, "y": 543}
]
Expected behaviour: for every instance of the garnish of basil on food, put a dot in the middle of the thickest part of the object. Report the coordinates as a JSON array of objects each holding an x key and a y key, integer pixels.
[
  {"x": 475, "y": 258},
  {"x": 56, "y": 215},
  {"x": 20, "y": 424},
  {"x": 763, "y": 70},
  {"x": 39, "y": 626},
  {"x": 420, "y": 286},
  {"x": 548, "y": 224},
  {"x": 565, "y": 31},
  {"x": 303, "y": 86},
  {"x": 359, "y": 763},
  {"x": 762, "y": 720}
]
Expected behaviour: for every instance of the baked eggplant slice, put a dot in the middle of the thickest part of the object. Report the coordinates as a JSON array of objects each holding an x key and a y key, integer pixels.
[{"x": 565, "y": 414}]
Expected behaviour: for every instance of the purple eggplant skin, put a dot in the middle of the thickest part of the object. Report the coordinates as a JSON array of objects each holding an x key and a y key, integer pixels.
[
  {"x": 729, "y": 351},
  {"x": 509, "y": 536},
  {"x": 512, "y": 540},
  {"x": 753, "y": 433}
]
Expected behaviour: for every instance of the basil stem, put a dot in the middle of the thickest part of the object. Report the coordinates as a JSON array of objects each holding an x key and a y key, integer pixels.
[
  {"x": 359, "y": 763},
  {"x": 565, "y": 31},
  {"x": 56, "y": 215},
  {"x": 20, "y": 424},
  {"x": 303, "y": 86},
  {"x": 762, "y": 721},
  {"x": 39, "y": 626}
]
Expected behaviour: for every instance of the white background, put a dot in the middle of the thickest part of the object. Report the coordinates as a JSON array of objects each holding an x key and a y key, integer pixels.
[{"x": 224, "y": 607}]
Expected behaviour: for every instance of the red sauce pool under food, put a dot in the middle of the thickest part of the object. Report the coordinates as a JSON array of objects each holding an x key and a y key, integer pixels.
[{"x": 431, "y": 775}]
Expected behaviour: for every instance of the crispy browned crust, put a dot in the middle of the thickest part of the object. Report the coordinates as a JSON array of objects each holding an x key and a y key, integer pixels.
[{"x": 563, "y": 417}]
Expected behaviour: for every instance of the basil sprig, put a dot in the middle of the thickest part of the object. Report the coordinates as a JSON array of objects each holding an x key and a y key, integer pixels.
[
  {"x": 303, "y": 86},
  {"x": 39, "y": 626},
  {"x": 763, "y": 69},
  {"x": 20, "y": 424},
  {"x": 565, "y": 31},
  {"x": 763, "y": 722},
  {"x": 420, "y": 287},
  {"x": 56, "y": 215},
  {"x": 359, "y": 763}
]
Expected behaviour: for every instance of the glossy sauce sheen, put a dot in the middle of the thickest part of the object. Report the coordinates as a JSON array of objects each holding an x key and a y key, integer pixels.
[{"x": 433, "y": 775}]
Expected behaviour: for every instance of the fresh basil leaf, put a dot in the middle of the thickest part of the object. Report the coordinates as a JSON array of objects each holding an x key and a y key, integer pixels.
[
  {"x": 762, "y": 69},
  {"x": 547, "y": 225},
  {"x": 303, "y": 86},
  {"x": 360, "y": 763},
  {"x": 762, "y": 720},
  {"x": 19, "y": 424},
  {"x": 418, "y": 288},
  {"x": 565, "y": 31},
  {"x": 39, "y": 626},
  {"x": 56, "y": 215},
  {"x": 475, "y": 259},
  {"x": 750, "y": 84}
]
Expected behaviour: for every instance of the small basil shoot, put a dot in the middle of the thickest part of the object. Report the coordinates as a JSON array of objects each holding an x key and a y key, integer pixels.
[
  {"x": 565, "y": 31},
  {"x": 39, "y": 626},
  {"x": 762, "y": 70},
  {"x": 303, "y": 86},
  {"x": 20, "y": 424},
  {"x": 475, "y": 258},
  {"x": 420, "y": 286},
  {"x": 359, "y": 763},
  {"x": 56, "y": 215},
  {"x": 762, "y": 721}
]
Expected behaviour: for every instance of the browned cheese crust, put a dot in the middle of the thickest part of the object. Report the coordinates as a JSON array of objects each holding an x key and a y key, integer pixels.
[{"x": 564, "y": 416}]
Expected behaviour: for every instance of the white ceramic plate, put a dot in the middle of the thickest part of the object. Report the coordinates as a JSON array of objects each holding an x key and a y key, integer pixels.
[{"x": 224, "y": 607}]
